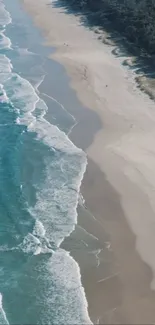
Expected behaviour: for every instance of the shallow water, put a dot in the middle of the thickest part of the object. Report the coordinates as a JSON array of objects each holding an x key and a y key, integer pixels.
[{"x": 40, "y": 176}]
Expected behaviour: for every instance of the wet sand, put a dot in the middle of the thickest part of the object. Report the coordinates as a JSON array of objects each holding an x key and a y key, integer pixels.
[{"x": 117, "y": 131}]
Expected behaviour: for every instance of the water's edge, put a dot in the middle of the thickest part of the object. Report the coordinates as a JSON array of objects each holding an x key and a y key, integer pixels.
[{"x": 34, "y": 121}]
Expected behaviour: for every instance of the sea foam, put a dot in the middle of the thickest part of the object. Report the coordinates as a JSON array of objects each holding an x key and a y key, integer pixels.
[
  {"x": 55, "y": 210},
  {"x": 3, "y": 318}
]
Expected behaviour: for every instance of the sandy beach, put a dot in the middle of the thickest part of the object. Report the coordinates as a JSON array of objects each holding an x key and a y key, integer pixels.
[{"x": 119, "y": 184}]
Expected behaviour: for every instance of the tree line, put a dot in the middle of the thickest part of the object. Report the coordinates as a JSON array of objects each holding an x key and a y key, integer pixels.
[{"x": 135, "y": 19}]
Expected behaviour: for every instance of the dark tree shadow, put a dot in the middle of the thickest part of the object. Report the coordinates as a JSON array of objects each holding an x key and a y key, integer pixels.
[{"x": 142, "y": 64}]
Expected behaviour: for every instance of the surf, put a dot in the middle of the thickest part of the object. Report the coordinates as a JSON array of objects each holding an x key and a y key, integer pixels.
[{"x": 45, "y": 212}]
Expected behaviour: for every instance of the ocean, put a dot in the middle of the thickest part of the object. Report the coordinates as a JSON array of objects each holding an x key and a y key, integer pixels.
[{"x": 40, "y": 176}]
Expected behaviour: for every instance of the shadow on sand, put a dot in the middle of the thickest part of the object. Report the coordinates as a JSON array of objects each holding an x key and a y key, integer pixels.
[{"x": 133, "y": 57}]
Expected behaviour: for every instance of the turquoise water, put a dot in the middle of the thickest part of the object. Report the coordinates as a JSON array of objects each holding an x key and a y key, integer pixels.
[{"x": 40, "y": 175}]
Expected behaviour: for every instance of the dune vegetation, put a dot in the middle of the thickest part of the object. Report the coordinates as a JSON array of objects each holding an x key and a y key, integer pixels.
[{"x": 134, "y": 19}]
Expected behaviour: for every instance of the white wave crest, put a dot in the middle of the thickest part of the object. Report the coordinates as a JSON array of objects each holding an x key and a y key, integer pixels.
[
  {"x": 3, "y": 95},
  {"x": 58, "y": 198},
  {"x": 3, "y": 318},
  {"x": 30, "y": 244},
  {"x": 39, "y": 229},
  {"x": 5, "y": 67},
  {"x": 5, "y": 42},
  {"x": 64, "y": 276},
  {"x": 55, "y": 212},
  {"x": 5, "y": 17}
]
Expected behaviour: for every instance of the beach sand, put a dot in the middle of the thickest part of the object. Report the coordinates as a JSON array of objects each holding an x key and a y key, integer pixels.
[{"x": 117, "y": 261}]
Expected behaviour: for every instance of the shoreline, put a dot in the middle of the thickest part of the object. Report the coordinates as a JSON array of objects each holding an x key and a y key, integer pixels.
[
  {"x": 36, "y": 86},
  {"x": 116, "y": 181}
]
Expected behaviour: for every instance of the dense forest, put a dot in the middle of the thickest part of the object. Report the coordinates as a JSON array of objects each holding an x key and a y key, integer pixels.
[{"x": 135, "y": 19}]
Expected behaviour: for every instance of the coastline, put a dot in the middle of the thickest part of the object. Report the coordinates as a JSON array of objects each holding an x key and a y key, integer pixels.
[{"x": 115, "y": 181}]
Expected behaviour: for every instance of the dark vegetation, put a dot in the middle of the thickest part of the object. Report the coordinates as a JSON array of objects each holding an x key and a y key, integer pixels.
[{"x": 134, "y": 19}]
